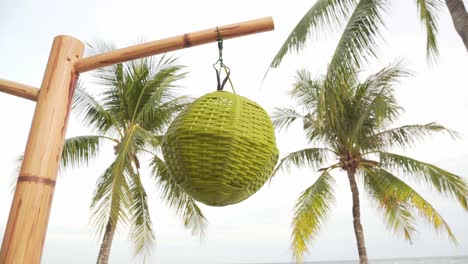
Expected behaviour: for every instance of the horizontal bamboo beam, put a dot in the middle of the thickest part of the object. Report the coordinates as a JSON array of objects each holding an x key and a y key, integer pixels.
[
  {"x": 18, "y": 89},
  {"x": 174, "y": 43}
]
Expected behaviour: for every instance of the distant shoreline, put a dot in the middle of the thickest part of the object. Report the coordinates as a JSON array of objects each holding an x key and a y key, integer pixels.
[{"x": 404, "y": 260}]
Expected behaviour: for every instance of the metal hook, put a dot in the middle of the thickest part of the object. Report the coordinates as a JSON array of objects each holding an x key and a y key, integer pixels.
[
  {"x": 220, "y": 86},
  {"x": 220, "y": 45}
]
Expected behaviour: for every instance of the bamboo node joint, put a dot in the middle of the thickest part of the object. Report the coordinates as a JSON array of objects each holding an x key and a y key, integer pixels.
[
  {"x": 187, "y": 42},
  {"x": 36, "y": 179}
]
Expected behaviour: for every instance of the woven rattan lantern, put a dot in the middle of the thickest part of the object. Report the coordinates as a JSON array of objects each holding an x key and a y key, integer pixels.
[{"x": 221, "y": 149}]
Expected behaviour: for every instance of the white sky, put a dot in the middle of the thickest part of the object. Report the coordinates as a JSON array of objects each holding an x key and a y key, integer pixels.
[{"x": 258, "y": 229}]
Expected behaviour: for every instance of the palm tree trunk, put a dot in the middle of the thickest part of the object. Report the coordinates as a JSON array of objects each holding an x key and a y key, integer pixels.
[
  {"x": 106, "y": 244},
  {"x": 357, "y": 218},
  {"x": 460, "y": 18}
]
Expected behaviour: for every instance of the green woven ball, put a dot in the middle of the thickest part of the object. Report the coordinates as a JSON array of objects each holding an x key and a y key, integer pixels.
[{"x": 221, "y": 149}]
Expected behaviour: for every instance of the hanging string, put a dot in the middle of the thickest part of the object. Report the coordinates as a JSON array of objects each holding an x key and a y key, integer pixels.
[{"x": 222, "y": 66}]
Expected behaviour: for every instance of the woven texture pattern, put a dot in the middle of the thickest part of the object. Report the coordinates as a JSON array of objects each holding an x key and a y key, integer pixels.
[{"x": 221, "y": 149}]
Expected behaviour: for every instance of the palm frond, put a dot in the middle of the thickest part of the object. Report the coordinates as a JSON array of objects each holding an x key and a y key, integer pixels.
[
  {"x": 310, "y": 157},
  {"x": 428, "y": 10},
  {"x": 18, "y": 162},
  {"x": 371, "y": 106},
  {"x": 282, "y": 118},
  {"x": 441, "y": 180},
  {"x": 306, "y": 90},
  {"x": 396, "y": 212},
  {"x": 376, "y": 95},
  {"x": 329, "y": 119},
  {"x": 391, "y": 187},
  {"x": 110, "y": 200},
  {"x": 310, "y": 212},
  {"x": 157, "y": 90},
  {"x": 387, "y": 77},
  {"x": 317, "y": 130},
  {"x": 184, "y": 205},
  {"x": 97, "y": 47},
  {"x": 322, "y": 104},
  {"x": 92, "y": 112},
  {"x": 359, "y": 40},
  {"x": 78, "y": 151},
  {"x": 155, "y": 116},
  {"x": 323, "y": 15},
  {"x": 116, "y": 84},
  {"x": 148, "y": 140},
  {"x": 141, "y": 232},
  {"x": 371, "y": 113},
  {"x": 142, "y": 92},
  {"x": 405, "y": 136}
]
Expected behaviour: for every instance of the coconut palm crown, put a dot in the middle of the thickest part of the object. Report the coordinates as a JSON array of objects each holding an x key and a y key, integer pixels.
[
  {"x": 134, "y": 104},
  {"x": 349, "y": 124}
]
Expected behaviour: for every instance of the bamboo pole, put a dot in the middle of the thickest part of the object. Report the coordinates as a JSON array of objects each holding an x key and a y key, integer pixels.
[
  {"x": 174, "y": 43},
  {"x": 27, "y": 223},
  {"x": 18, "y": 89}
]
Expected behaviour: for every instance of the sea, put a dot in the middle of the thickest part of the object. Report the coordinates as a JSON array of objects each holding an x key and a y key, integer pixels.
[{"x": 431, "y": 260}]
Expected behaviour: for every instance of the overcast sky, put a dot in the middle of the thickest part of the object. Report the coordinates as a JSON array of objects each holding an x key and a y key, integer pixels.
[{"x": 258, "y": 229}]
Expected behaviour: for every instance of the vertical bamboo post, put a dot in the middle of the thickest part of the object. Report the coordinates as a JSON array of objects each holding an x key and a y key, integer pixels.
[{"x": 27, "y": 224}]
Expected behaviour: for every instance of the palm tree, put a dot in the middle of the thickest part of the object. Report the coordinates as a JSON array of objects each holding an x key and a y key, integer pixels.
[
  {"x": 460, "y": 18},
  {"x": 364, "y": 19},
  {"x": 135, "y": 103},
  {"x": 349, "y": 122}
]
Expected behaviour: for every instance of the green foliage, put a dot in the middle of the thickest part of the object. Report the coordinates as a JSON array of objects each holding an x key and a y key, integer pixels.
[
  {"x": 399, "y": 203},
  {"x": 359, "y": 40},
  {"x": 405, "y": 136},
  {"x": 360, "y": 22},
  {"x": 324, "y": 15},
  {"x": 428, "y": 10},
  {"x": 310, "y": 157},
  {"x": 78, "y": 151},
  {"x": 135, "y": 104},
  {"x": 110, "y": 199},
  {"x": 186, "y": 208},
  {"x": 441, "y": 180},
  {"x": 141, "y": 226},
  {"x": 351, "y": 121},
  {"x": 311, "y": 210}
]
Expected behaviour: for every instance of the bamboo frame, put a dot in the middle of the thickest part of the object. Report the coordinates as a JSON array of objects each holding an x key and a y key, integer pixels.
[
  {"x": 29, "y": 214},
  {"x": 174, "y": 43},
  {"x": 18, "y": 89}
]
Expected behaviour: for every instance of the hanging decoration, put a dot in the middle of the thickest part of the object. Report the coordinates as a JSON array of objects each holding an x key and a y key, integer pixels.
[{"x": 221, "y": 149}]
